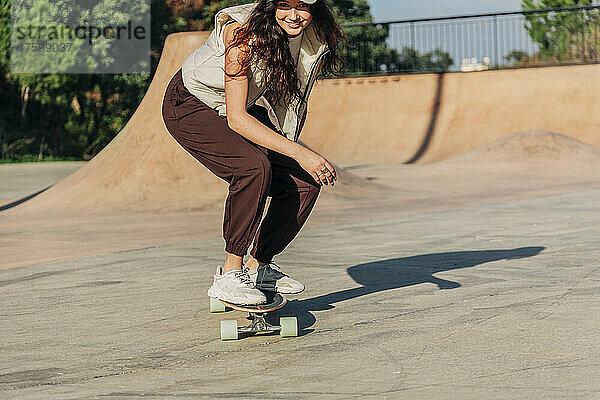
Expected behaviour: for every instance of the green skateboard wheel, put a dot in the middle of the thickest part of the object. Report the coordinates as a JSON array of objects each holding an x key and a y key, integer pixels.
[
  {"x": 289, "y": 326},
  {"x": 216, "y": 305},
  {"x": 229, "y": 330}
]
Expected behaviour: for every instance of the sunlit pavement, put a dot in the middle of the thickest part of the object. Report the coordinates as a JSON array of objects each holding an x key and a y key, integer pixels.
[{"x": 496, "y": 301}]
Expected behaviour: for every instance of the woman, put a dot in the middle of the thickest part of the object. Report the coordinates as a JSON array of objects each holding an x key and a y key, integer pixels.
[{"x": 238, "y": 105}]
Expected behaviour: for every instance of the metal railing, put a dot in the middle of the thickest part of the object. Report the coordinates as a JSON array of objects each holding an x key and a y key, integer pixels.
[{"x": 555, "y": 36}]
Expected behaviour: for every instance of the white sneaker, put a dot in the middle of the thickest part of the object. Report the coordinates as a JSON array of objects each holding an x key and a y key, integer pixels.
[
  {"x": 272, "y": 280},
  {"x": 235, "y": 287}
]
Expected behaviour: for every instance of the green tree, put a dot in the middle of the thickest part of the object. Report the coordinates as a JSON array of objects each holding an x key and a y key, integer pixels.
[
  {"x": 367, "y": 51},
  {"x": 9, "y": 141},
  {"x": 4, "y": 35},
  {"x": 57, "y": 115},
  {"x": 411, "y": 60},
  {"x": 564, "y": 36},
  {"x": 516, "y": 57},
  {"x": 61, "y": 115}
]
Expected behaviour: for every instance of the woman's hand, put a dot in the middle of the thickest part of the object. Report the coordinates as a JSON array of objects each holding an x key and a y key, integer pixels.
[{"x": 318, "y": 167}]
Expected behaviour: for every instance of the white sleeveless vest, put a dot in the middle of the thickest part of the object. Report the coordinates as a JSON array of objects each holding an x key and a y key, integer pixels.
[{"x": 203, "y": 73}]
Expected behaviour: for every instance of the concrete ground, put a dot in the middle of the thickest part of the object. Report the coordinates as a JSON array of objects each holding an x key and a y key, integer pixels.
[
  {"x": 473, "y": 277},
  {"x": 23, "y": 179},
  {"x": 494, "y": 301}
]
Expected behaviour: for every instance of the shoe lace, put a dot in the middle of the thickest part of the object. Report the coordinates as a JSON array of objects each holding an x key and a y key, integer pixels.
[{"x": 243, "y": 277}]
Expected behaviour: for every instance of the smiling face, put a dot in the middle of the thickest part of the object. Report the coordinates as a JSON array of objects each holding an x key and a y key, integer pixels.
[{"x": 293, "y": 16}]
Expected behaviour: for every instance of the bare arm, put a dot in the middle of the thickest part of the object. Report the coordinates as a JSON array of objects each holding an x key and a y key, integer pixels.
[
  {"x": 238, "y": 119},
  {"x": 236, "y": 97}
]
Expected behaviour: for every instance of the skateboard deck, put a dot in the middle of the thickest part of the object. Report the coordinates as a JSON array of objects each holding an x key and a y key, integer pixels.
[
  {"x": 274, "y": 302},
  {"x": 288, "y": 326}
]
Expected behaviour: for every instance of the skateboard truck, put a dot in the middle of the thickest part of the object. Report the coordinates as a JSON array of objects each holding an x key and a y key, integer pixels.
[
  {"x": 288, "y": 326},
  {"x": 258, "y": 324}
]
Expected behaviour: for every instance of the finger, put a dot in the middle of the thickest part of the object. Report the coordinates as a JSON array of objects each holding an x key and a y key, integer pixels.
[
  {"x": 329, "y": 176},
  {"x": 322, "y": 178},
  {"x": 332, "y": 169},
  {"x": 316, "y": 178}
]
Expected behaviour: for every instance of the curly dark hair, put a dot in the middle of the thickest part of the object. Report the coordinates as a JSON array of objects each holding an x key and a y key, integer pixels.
[{"x": 263, "y": 41}]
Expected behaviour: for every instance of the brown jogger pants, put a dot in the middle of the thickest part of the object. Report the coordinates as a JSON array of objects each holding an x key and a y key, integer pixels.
[{"x": 252, "y": 171}]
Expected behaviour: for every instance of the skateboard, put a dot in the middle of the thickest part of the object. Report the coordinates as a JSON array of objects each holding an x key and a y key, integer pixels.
[{"x": 288, "y": 326}]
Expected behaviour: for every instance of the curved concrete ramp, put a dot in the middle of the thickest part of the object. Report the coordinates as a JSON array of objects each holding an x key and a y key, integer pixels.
[
  {"x": 144, "y": 169},
  {"x": 370, "y": 120},
  {"x": 379, "y": 120},
  {"x": 393, "y": 119},
  {"x": 533, "y": 147},
  {"x": 538, "y": 159},
  {"x": 478, "y": 108}
]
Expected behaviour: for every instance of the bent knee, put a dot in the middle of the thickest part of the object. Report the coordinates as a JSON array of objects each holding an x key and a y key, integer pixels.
[{"x": 255, "y": 165}]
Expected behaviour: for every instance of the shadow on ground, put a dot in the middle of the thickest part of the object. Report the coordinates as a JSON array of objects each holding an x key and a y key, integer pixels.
[{"x": 396, "y": 273}]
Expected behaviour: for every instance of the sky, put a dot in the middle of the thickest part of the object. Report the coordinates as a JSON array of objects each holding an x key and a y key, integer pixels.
[{"x": 390, "y": 10}]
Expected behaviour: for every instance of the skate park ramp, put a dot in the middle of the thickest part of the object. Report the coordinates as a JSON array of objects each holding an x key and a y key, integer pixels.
[
  {"x": 144, "y": 170},
  {"x": 429, "y": 118},
  {"x": 419, "y": 119},
  {"x": 470, "y": 139},
  {"x": 533, "y": 148},
  {"x": 140, "y": 163}
]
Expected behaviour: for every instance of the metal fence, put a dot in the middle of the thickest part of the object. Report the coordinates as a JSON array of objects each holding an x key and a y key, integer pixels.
[{"x": 555, "y": 36}]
